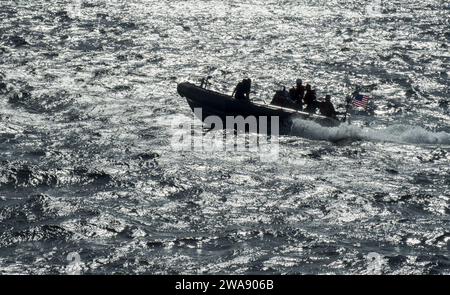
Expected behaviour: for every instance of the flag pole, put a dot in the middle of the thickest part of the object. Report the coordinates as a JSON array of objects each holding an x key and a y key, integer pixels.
[{"x": 347, "y": 107}]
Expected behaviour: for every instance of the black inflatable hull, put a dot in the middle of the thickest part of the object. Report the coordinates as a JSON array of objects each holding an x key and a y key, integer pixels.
[{"x": 210, "y": 103}]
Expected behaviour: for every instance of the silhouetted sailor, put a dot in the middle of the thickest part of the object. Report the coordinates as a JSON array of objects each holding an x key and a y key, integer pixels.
[
  {"x": 242, "y": 90},
  {"x": 327, "y": 108},
  {"x": 297, "y": 93},
  {"x": 300, "y": 90},
  {"x": 281, "y": 98},
  {"x": 292, "y": 94},
  {"x": 310, "y": 99},
  {"x": 284, "y": 93}
]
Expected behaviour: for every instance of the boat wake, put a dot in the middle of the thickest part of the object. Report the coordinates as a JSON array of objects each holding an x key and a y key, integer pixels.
[{"x": 395, "y": 133}]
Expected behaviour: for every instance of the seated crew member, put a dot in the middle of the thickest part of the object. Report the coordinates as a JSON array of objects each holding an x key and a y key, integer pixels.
[
  {"x": 327, "y": 108},
  {"x": 242, "y": 90},
  {"x": 281, "y": 98}
]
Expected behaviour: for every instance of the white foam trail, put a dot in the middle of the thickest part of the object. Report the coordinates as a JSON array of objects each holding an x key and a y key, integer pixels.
[{"x": 395, "y": 133}]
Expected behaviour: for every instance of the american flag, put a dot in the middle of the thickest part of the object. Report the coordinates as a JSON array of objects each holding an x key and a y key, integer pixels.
[{"x": 360, "y": 101}]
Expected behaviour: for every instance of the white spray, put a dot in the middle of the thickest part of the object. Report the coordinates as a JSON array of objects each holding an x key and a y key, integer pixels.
[{"x": 396, "y": 133}]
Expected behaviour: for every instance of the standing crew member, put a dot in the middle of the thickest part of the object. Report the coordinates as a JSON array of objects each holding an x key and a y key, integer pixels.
[
  {"x": 297, "y": 93},
  {"x": 310, "y": 99}
]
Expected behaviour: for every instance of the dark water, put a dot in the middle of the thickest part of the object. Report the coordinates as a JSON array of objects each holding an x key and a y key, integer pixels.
[{"x": 88, "y": 104}]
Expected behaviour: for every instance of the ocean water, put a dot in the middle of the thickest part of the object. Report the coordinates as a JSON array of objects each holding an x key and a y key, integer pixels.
[{"x": 91, "y": 183}]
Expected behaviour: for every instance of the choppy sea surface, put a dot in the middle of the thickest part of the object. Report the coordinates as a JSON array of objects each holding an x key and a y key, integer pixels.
[{"x": 88, "y": 173}]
